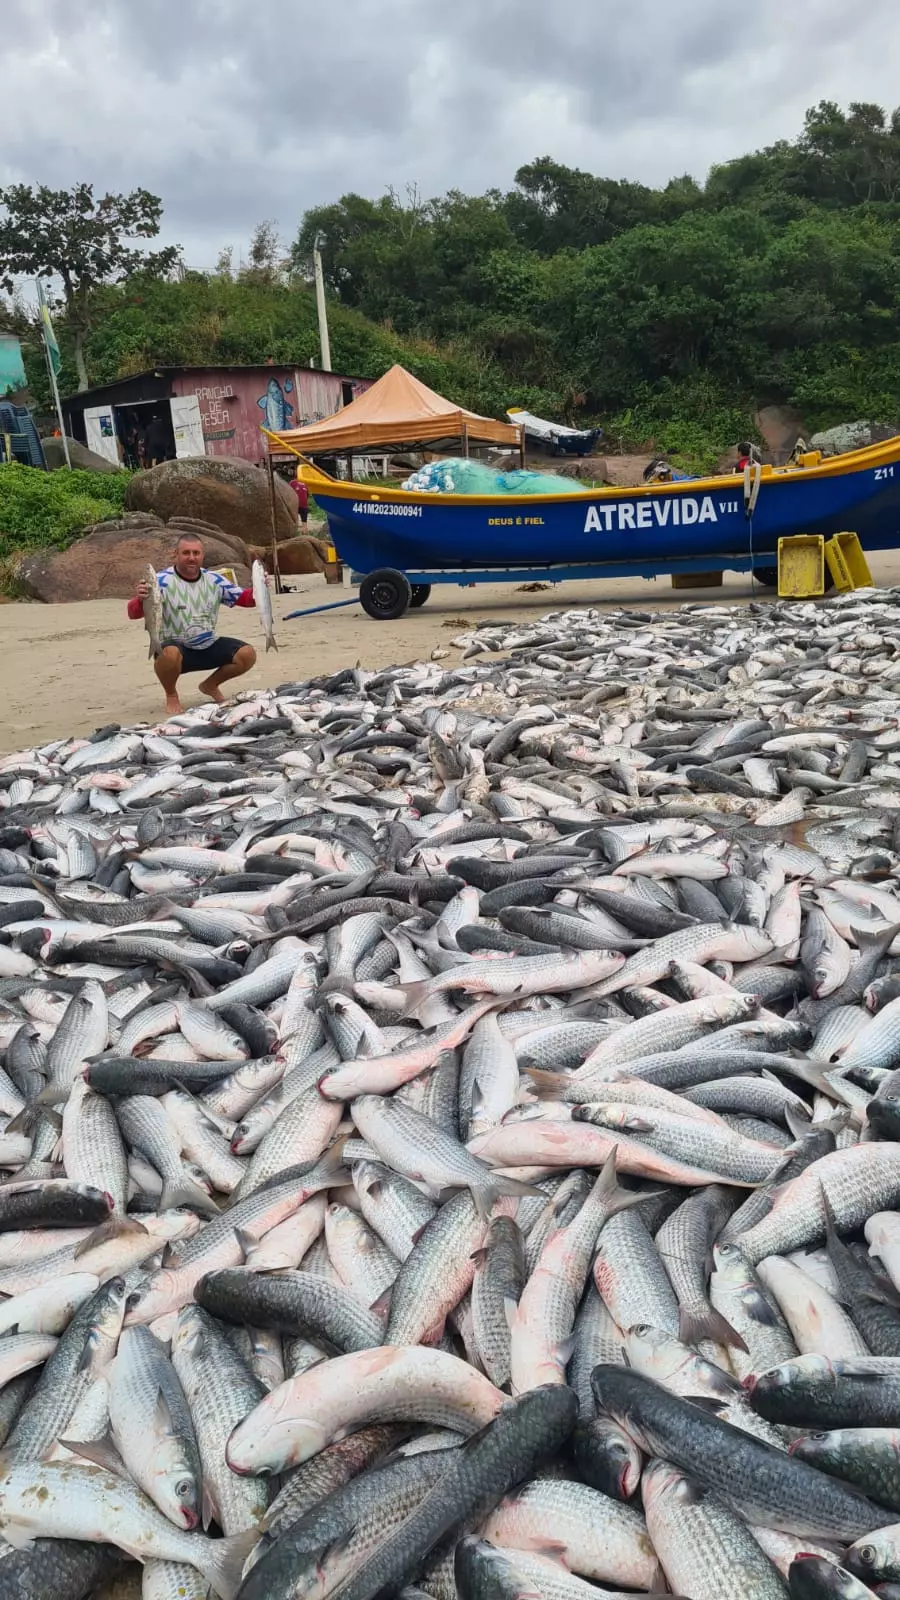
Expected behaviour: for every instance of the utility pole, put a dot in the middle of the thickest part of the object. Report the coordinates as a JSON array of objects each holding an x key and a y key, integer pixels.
[{"x": 320, "y": 302}]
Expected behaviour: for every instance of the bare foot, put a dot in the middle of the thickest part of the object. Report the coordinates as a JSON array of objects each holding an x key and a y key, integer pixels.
[
  {"x": 173, "y": 704},
  {"x": 213, "y": 690}
]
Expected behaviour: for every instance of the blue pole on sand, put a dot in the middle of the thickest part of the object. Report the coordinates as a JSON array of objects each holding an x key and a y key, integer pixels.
[{"x": 335, "y": 604}]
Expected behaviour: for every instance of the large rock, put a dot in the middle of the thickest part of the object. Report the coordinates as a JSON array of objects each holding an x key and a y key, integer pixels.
[
  {"x": 779, "y": 427},
  {"x": 851, "y": 436},
  {"x": 624, "y": 471},
  {"x": 232, "y": 494},
  {"x": 109, "y": 561},
  {"x": 81, "y": 457},
  {"x": 295, "y": 556}
]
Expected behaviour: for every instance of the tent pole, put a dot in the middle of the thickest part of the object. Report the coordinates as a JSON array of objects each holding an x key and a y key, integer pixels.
[
  {"x": 522, "y": 447},
  {"x": 465, "y": 440}
]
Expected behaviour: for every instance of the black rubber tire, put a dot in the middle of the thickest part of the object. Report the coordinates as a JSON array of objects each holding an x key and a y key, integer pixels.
[
  {"x": 385, "y": 594},
  {"x": 420, "y": 593},
  {"x": 768, "y": 577}
]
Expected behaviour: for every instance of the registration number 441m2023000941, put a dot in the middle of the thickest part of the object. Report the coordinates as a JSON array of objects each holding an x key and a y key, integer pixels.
[{"x": 382, "y": 508}]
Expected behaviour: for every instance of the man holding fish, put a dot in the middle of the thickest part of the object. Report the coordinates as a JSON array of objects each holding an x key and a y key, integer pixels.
[{"x": 180, "y": 607}]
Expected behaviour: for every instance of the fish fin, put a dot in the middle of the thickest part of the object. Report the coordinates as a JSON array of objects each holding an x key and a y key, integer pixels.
[
  {"x": 200, "y": 986},
  {"x": 162, "y": 1417},
  {"x": 53, "y": 1095},
  {"x": 510, "y": 1311},
  {"x": 223, "y": 1562},
  {"x": 480, "y": 1256},
  {"x": 210, "y": 1510},
  {"x": 102, "y": 1452},
  {"x": 546, "y": 1085},
  {"x": 247, "y": 1241},
  {"x": 882, "y": 939},
  {"x": 419, "y": 1231},
  {"x": 115, "y": 1228},
  {"x": 799, "y": 1126},
  {"x": 704, "y": 1322},
  {"x": 185, "y": 1192},
  {"x": 614, "y": 1197},
  {"x": 414, "y": 996},
  {"x": 707, "y": 1402},
  {"x": 23, "y": 1121},
  {"x": 551, "y": 1551},
  {"x": 381, "y": 1307},
  {"x": 489, "y": 1193},
  {"x": 565, "y": 1350}
]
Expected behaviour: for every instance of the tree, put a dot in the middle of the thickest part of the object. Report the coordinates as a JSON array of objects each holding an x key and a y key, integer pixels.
[
  {"x": 66, "y": 233},
  {"x": 265, "y": 263}
]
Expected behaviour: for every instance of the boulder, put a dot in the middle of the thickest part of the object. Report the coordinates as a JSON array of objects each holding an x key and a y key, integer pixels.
[
  {"x": 295, "y": 556},
  {"x": 80, "y": 456},
  {"x": 851, "y": 436},
  {"x": 779, "y": 427},
  {"x": 623, "y": 471},
  {"x": 230, "y": 493},
  {"x": 109, "y": 560}
]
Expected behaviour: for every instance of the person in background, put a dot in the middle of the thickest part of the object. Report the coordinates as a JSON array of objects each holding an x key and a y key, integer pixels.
[
  {"x": 747, "y": 455},
  {"x": 191, "y": 596},
  {"x": 302, "y": 493},
  {"x": 158, "y": 442}
]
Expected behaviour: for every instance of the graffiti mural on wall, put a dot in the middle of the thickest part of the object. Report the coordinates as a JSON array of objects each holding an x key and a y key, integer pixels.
[
  {"x": 216, "y": 418},
  {"x": 236, "y": 404},
  {"x": 278, "y": 413}
]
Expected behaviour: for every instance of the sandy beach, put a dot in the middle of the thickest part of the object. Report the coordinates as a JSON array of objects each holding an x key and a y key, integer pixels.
[{"x": 72, "y": 668}]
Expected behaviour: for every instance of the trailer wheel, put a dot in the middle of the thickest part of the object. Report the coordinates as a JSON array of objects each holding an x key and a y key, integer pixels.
[
  {"x": 385, "y": 594},
  {"x": 420, "y": 593},
  {"x": 767, "y": 576}
]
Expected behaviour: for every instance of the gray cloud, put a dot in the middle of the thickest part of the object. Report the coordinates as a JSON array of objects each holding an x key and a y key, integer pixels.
[{"x": 234, "y": 112}]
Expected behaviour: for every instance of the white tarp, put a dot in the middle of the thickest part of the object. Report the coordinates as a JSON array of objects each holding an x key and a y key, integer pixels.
[{"x": 537, "y": 428}]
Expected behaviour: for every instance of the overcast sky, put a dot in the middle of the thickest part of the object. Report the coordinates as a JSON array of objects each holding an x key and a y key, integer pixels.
[{"x": 233, "y": 112}]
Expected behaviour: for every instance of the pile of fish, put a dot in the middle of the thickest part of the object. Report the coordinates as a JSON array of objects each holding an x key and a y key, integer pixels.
[{"x": 449, "y": 1126}]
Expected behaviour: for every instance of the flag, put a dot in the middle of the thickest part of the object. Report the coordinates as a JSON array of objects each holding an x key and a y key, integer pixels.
[{"x": 47, "y": 329}]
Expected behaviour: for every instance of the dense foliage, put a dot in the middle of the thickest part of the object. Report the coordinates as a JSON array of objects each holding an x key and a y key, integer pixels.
[
  {"x": 66, "y": 233},
  {"x": 667, "y": 314},
  {"x": 51, "y": 508}
]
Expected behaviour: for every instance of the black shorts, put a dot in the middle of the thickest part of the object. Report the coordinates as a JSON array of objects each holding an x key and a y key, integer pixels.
[{"x": 220, "y": 653}]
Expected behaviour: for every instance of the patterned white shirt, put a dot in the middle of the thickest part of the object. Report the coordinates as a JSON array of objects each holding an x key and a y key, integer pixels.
[{"x": 190, "y": 609}]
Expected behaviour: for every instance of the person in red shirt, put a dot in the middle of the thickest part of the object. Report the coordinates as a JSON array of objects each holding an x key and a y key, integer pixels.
[{"x": 302, "y": 493}]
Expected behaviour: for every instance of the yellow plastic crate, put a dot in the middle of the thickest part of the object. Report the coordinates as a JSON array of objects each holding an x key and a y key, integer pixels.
[
  {"x": 697, "y": 580},
  {"x": 847, "y": 562},
  {"x": 801, "y": 566}
]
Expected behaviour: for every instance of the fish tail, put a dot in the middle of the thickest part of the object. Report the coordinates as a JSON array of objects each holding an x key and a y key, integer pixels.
[
  {"x": 487, "y": 1194},
  {"x": 696, "y": 1323},
  {"x": 183, "y": 1191},
  {"x": 223, "y": 1562}
]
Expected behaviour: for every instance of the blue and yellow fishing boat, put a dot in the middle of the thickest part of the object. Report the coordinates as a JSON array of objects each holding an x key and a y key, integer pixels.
[{"x": 401, "y": 542}]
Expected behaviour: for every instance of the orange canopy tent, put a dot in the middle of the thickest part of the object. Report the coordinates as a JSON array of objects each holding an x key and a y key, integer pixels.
[{"x": 396, "y": 412}]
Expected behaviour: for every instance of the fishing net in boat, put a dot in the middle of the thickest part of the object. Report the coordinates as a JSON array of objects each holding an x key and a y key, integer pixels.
[{"x": 456, "y": 475}]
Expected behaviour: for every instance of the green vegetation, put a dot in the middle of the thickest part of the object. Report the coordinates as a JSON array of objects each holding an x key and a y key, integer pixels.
[
  {"x": 52, "y": 508},
  {"x": 667, "y": 315}
]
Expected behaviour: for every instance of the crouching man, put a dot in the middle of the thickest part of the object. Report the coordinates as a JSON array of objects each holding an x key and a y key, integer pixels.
[{"x": 191, "y": 596}]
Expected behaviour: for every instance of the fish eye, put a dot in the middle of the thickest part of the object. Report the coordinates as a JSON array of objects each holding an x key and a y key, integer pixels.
[
  {"x": 867, "y": 1555},
  {"x": 817, "y": 1436},
  {"x": 185, "y": 1489}
]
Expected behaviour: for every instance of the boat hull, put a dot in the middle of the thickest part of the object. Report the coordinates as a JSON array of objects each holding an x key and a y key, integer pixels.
[{"x": 858, "y": 493}]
